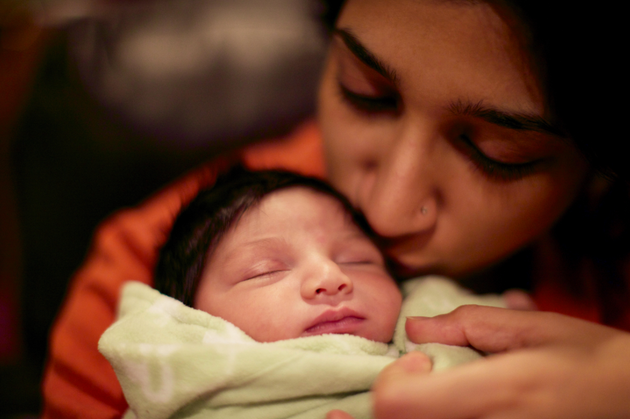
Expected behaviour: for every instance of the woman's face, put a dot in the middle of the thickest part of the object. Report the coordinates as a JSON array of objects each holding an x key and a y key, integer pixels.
[{"x": 435, "y": 127}]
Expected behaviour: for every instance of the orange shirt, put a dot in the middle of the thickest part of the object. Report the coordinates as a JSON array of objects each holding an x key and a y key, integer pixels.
[{"x": 79, "y": 382}]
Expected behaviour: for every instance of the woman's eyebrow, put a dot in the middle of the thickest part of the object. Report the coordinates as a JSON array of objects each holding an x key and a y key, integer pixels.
[
  {"x": 510, "y": 120},
  {"x": 364, "y": 55}
]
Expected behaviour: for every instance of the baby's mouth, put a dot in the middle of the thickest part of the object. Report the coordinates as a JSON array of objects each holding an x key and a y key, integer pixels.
[{"x": 342, "y": 321}]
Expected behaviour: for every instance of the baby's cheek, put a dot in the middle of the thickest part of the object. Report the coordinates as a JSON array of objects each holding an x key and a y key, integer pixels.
[
  {"x": 262, "y": 331},
  {"x": 270, "y": 320}
]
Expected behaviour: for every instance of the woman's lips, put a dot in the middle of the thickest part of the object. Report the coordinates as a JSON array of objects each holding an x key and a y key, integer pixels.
[
  {"x": 342, "y": 321},
  {"x": 403, "y": 254},
  {"x": 403, "y": 271}
]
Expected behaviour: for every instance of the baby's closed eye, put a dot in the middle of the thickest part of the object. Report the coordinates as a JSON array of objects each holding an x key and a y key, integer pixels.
[
  {"x": 360, "y": 255},
  {"x": 264, "y": 268}
]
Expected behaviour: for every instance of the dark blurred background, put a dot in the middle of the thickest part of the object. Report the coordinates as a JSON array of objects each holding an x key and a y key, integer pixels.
[{"x": 101, "y": 104}]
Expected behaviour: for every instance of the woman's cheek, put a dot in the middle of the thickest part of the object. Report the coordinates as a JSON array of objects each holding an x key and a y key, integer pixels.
[{"x": 535, "y": 205}]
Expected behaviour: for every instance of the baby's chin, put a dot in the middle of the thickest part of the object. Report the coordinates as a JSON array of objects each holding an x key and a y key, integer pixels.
[{"x": 350, "y": 326}]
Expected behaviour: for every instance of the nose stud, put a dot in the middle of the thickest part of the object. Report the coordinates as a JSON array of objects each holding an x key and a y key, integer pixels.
[{"x": 424, "y": 210}]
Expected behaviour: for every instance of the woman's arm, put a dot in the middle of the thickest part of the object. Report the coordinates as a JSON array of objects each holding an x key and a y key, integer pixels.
[{"x": 545, "y": 366}]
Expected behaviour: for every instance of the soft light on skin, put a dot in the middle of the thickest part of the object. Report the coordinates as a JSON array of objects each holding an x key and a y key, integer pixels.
[
  {"x": 296, "y": 265},
  {"x": 432, "y": 104}
]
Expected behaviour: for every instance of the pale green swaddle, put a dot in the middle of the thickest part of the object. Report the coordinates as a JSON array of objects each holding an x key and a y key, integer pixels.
[{"x": 173, "y": 361}]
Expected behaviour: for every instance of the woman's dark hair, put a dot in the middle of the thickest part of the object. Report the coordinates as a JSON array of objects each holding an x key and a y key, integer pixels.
[
  {"x": 200, "y": 226},
  {"x": 579, "y": 51}
]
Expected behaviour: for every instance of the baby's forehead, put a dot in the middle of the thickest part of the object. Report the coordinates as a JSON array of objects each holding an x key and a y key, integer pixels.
[
  {"x": 343, "y": 209},
  {"x": 292, "y": 199},
  {"x": 286, "y": 218}
]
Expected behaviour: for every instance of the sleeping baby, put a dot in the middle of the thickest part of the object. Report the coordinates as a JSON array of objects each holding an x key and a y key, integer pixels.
[{"x": 270, "y": 301}]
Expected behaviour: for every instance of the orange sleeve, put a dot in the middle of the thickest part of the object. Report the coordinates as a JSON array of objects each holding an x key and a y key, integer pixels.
[
  {"x": 552, "y": 293},
  {"x": 302, "y": 153},
  {"x": 78, "y": 381}
]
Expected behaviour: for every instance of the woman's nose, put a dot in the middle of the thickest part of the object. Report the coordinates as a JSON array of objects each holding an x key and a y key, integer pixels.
[
  {"x": 401, "y": 195},
  {"x": 325, "y": 280}
]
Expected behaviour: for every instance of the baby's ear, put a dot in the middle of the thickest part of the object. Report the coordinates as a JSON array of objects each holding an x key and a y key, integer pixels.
[{"x": 519, "y": 300}]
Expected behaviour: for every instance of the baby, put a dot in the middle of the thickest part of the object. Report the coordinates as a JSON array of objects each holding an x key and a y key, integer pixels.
[{"x": 288, "y": 309}]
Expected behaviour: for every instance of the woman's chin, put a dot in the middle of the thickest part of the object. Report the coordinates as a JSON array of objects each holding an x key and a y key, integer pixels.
[{"x": 405, "y": 270}]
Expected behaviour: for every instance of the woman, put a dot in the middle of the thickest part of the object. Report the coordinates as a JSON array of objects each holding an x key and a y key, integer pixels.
[
  {"x": 468, "y": 133},
  {"x": 447, "y": 99}
]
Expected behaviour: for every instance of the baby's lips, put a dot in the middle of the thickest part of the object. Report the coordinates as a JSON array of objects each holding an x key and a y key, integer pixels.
[{"x": 342, "y": 320}]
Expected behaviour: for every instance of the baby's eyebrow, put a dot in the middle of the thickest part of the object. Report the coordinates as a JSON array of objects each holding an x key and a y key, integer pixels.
[
  {"x": 356, "y": 237},
  {"x": 266, "y": 242}
]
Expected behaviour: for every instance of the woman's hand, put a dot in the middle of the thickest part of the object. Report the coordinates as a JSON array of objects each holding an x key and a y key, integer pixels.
[
  {"x": 545, "y": 366},
  {"x": 415, "y": 363}
]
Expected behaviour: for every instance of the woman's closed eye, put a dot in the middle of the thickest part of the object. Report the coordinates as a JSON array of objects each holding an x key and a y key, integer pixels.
[
  {"x": 370, "y": 104},
  {"x": 494, "y": 168}
]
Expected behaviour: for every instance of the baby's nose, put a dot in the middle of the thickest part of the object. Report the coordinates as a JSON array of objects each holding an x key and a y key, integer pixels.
[{"x": 327, "y": 280}]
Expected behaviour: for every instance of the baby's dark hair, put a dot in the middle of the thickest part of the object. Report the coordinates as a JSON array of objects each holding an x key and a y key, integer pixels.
[{"x": 200, "y": 226}]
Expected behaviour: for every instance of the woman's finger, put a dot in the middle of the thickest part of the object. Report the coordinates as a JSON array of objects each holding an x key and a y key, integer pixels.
[{"x": 491, "y": 329}]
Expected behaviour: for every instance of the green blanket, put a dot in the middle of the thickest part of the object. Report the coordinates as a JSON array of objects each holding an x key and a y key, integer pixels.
[{"x": 173, "y": 361}]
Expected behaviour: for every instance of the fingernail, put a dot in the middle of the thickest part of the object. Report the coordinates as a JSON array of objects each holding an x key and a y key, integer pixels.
[
  {"x": 415, "y": 362},
  {"x": 419, "y": 318}
]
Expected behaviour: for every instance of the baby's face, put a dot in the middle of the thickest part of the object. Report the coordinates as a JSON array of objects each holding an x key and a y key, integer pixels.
[{"x": 296, "y": 265}]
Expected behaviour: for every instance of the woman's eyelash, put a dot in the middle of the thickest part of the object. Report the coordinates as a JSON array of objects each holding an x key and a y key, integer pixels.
[
  {"x": 496, "y": 169},
  {"x": 369, "y": 104}
]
